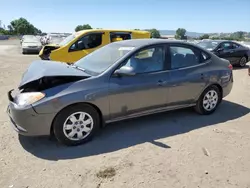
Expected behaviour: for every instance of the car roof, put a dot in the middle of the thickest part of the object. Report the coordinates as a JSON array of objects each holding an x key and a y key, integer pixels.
[
  {"x": 110, "y": 30},
  {"x": 145, "y": 42},
  {"x": 219, "y": 41}
]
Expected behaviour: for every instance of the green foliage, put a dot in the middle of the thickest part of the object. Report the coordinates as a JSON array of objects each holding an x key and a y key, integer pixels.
[
  {"x": 22, "y": 27},
  {"x": 82, "y": 27},
  {"x": 205, "y": 36},
  {"x": 181, "y": 34},
  {"x": 237, "y": 35},
  {"x": 137, "y": 29},
  {"x": 155, "y": 33}
]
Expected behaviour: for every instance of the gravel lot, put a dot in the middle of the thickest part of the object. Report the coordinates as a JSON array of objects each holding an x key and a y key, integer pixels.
[{"x": 174, "y": 149}]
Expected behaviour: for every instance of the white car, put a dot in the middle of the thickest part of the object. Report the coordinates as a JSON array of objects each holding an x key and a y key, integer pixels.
[{"x": 31, "y": 44}]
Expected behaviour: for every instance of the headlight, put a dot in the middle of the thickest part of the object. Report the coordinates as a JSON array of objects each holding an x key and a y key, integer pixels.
[{"x": 28, "y": 98}]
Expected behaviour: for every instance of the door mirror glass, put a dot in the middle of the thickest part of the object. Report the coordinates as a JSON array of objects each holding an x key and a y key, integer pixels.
[
  {"x": 125, "y": 71},
  {"x": 220, "y": 50}
]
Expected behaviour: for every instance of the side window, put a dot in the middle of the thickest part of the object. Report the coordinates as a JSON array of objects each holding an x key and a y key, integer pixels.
[
  {"x": 148, "y": 60},
  {"x": 87, "y": 42},
  {"x": 204, "y": 56},
  {"x": 235, "y": 46},
  {"x": 226, "y": 46},
  {"x": 119, "y": 36},
  {"x": 183, "y": 57}
]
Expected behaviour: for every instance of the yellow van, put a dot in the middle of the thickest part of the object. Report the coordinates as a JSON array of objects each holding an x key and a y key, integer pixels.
[{"x": 81, "y": 43}]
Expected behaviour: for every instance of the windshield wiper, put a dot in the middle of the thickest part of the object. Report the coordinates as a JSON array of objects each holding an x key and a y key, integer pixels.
[{"x": 76, "y": 67}]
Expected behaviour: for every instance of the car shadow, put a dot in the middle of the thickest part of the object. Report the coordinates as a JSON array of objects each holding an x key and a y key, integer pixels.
[
  {"x": 240, "y": 68},
  {"x": 31, "y": 53},
  {"x": 129, "y": 133}
]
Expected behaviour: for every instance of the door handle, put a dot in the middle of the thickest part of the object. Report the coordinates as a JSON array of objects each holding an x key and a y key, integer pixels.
[
  {"x": 161, "y": 83},
  {"x": 202, "y": 76}
]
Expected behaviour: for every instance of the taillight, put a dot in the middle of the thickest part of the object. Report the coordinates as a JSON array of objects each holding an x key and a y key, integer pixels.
[{"x": 230, "y": 67}]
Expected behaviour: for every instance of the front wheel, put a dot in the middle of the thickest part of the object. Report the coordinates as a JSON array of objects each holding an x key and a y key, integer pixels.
[
  {"x": 209, "y": 100},
  {"x": 76, "y": 124}
]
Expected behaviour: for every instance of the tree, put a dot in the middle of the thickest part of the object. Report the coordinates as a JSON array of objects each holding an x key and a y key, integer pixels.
[
  {"x": 180, "y": 33},
  {"x": 78, "y": 28},
  {"x": 155, "y": 33},
  {"x": 205, "y": 36},
  {"x": 86, "y": 26},
  {"x": 239, "y": 35},
  {"x": 22, "y": 27},
  {"x": 137, "y": 29},
  {"x": 82, "y": 27}
]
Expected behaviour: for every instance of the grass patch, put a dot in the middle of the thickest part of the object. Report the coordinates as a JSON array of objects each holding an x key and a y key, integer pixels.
[{"x": 107, "y": 173}]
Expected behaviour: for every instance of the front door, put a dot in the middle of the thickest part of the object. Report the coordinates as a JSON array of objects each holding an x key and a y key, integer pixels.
[
  {"x": 146, "y": 90},
  {"x": 187, "y": 75},
  {"x": 85, "y": 45},
  {"x": 226, "y": 51}
]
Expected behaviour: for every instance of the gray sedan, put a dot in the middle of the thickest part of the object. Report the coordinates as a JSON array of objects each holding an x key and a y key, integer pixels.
[{"x": 121, "y": 80}]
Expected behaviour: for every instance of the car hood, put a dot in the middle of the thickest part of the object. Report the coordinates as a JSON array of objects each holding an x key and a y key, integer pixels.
[
  {"x": 31, "y": 44},
  {"x": 39, "y": 69}
]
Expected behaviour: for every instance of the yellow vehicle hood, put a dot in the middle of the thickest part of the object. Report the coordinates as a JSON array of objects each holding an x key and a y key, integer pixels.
[{"x": 48, "y": 45}]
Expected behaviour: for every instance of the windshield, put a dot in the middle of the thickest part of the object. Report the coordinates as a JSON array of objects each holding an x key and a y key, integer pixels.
[
  {"x": 56, "y": 39},
  {"x": 30, "y": 39},
  {"x": 209, "y": 45},
  {"x": 101, "y": 59},
  {"x": 67, "y": 40}
]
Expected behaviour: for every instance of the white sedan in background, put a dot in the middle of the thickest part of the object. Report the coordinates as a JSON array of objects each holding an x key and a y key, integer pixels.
[{"x": 31, "y": 44}]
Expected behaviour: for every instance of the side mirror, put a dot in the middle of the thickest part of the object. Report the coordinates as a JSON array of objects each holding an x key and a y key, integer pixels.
[
  {"x": 125, "y": 71},
  {"x": 220, "y": 50}
]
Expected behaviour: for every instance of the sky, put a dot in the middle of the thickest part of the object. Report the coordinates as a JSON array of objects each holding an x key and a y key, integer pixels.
[{"x": 204, "y": 16}]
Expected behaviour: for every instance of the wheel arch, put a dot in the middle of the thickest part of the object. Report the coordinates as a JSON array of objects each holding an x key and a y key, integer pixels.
[
  {"x": 246, "y": 56},
  {"x": 81, "y": 103},
  {"x": 212, "y": 84}
]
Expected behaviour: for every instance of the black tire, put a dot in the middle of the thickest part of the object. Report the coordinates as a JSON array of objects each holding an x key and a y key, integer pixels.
[
  {"x": 199, "y": 108},
  {"x": 62, "y": 117},
  {"x": 243, "y": 62},
  {"x": 24, "y": 52}
]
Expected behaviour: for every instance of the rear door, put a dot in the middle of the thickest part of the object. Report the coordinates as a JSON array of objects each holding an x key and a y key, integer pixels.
[{"x": 188, "y": 75}]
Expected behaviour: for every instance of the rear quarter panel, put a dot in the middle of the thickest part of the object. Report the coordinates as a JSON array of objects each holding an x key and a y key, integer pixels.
[{"x": 218, "y": 73}]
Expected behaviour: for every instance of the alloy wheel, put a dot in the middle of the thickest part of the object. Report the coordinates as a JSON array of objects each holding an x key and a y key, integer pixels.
[
  {"x": 78, "y": 126},
  {"x": 210, "y": 100}
]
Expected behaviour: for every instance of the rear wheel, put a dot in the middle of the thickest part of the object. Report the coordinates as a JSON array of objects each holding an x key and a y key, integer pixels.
[
  {"x": 76, "y": 124},
  {"x": 209, "y": 100},
  {"x": 243, "y": 61}
]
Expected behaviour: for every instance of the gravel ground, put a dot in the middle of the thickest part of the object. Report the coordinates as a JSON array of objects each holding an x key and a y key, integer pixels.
[{"x": 174, "y": 149}]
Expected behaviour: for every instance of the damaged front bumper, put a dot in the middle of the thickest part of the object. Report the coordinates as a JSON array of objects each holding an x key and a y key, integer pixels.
[{"x": 26, "y": 121}]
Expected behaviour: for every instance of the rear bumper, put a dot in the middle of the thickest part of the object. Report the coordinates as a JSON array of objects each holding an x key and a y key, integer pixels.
[{"x": 27, "y": 122}]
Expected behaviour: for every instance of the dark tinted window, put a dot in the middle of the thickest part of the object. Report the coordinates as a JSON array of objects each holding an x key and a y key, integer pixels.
[
  {"x": 184, "y": 57},
  {"x": 119, "y": 35},
  {"x": 227, "y": 46},
  {"x": 87, "y": 42},
  {"x": 148, "y": 60},
  {"x": 235, "y": 46},
  {"x": 204, "y": 56}
]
